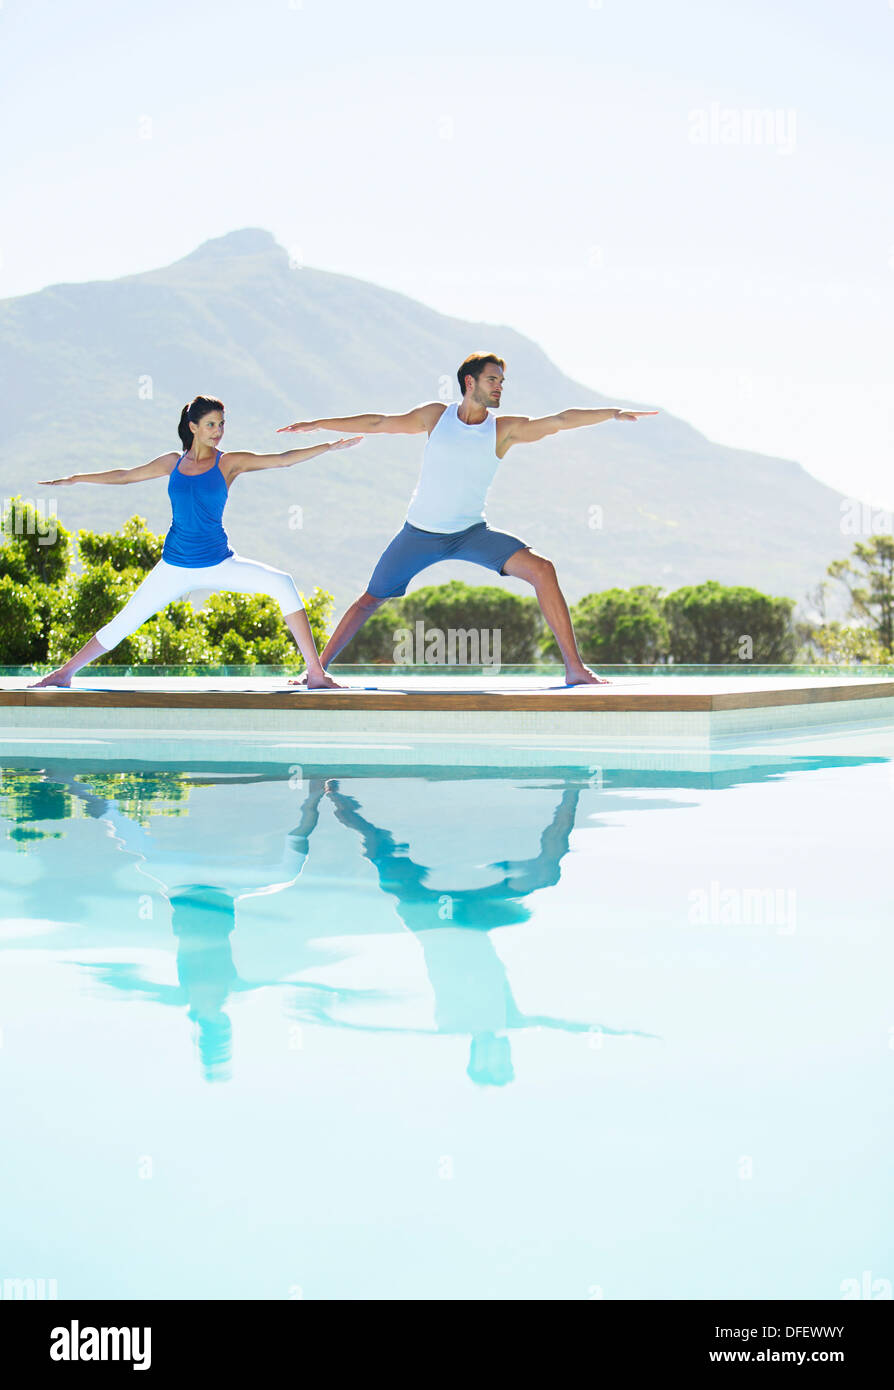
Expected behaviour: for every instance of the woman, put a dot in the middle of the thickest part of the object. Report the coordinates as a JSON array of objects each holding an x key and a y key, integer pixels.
[{"x": 197, "y": 553}]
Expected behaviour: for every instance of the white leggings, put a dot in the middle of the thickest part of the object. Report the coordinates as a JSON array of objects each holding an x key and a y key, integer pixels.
[{"x": 167, "y": 582}]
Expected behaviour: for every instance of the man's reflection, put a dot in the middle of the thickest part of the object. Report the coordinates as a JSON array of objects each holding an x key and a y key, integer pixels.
[{"x": 471, "y": 989}]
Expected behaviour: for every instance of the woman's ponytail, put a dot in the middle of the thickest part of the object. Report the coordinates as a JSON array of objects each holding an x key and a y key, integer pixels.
[{"x": 183, "y": 429}]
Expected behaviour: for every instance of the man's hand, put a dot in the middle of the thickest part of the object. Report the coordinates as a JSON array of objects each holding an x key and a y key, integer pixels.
[{"x": 299, "y": 427}]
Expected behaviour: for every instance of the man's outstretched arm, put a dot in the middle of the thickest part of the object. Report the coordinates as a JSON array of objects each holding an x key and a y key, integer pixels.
[
  {"x": 420, "y": 420},
  {"x": 520, "y": 429}
]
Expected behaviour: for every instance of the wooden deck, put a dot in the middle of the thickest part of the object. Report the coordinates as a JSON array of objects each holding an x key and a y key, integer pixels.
[{"x": 637, "y": 695}]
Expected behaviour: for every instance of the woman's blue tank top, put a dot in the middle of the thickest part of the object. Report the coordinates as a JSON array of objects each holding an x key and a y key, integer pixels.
[{"x": 196, "y": 537}]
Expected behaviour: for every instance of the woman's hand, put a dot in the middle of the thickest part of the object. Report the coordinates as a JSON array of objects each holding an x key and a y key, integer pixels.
[{"x": 346, "y": 443}]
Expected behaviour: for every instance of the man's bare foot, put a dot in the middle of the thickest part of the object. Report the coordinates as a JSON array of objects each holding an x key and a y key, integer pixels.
[
  {"x": 585, "y": 677},
  {"x": 323, "y": 682},
  {"x": 54, "y": 678}
]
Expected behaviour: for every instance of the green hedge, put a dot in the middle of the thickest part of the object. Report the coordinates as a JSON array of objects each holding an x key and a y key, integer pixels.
[
  {"x": 391, "y": 633},
  {"x": 47, "y": 612}
]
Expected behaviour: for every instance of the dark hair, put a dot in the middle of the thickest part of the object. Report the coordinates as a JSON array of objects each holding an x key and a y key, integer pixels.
[
  {"x": 474, "y": 366},
  {"x": 195, "y": 411}
]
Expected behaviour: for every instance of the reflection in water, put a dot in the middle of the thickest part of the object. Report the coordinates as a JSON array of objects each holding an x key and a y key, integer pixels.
[
  {"x": 472, "y": 994},
  {"x": 202, "y": 920},
  {"x": 203, "y": 915},
  {"x": 138, "y": 929},
  {"x": 206, "y": 856},
  {"x": 471, "y": 989}
]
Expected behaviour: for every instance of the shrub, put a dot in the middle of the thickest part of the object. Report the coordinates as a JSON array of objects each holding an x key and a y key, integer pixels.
[
  {"x": 85, "y": 603},
  {"x": 868, "y": 576},
  {"x": 248, "y": 629},
  {"x": 174, "y": 637},
  {"x": 708, "y": 621},
  {"x": 25, "y": 554},
  {"x": 133, "y": 547},
  {"x": 375, "y": 641},
  {"x": 21, "y": 623},
  {"x": 838, "y": 644},
  {"x": 618, "y": 626}
]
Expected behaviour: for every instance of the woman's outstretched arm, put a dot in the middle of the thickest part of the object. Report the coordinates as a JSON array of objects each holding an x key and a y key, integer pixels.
[
  {"x": 242, "y": 461},
  {"x": 156, "y": 468}
]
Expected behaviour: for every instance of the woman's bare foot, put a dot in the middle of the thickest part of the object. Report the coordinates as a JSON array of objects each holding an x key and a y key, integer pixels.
[
  {"x": 585, "y": 676},
  {"x": 59, "y": 678},
  {"x": 299, "y": 680}
]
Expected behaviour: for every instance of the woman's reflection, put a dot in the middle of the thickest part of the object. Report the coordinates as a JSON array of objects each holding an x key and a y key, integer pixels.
[{"x": 203, "y": 915}]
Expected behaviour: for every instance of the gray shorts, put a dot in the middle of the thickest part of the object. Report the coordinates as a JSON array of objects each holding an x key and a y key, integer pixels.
[{"x": 413, "y": 550}]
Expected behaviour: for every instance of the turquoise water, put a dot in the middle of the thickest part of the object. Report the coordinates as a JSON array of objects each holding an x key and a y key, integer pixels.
[{"x": 596, "y": 1029}]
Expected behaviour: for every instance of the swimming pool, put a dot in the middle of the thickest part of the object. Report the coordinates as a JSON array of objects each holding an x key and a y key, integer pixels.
[{"x": 372, "y": 1023}]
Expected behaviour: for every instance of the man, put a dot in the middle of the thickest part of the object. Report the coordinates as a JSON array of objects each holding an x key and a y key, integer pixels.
[{"x": 445, "y": 519}]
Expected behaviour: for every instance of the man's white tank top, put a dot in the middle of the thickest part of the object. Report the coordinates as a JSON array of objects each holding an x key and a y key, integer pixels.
[{"x": 458, "y": 467}]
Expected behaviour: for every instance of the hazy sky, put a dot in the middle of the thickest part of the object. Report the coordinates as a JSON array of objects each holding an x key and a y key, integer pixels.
[{"x": 689, "y": 205}]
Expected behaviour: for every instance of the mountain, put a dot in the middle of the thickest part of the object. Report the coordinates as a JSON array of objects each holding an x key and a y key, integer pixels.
[{"x": 96, "y": 375}]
